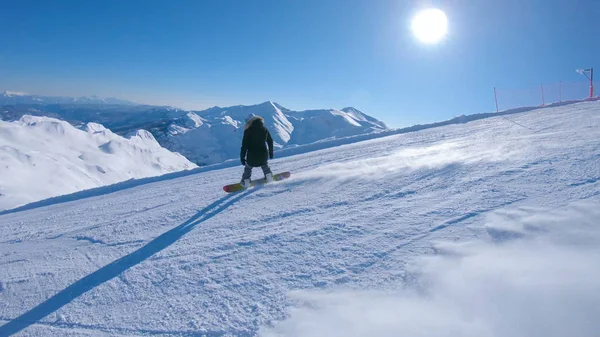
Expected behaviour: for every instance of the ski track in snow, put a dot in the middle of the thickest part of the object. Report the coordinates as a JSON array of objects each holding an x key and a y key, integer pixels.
[{"x": 180, "y": 257}]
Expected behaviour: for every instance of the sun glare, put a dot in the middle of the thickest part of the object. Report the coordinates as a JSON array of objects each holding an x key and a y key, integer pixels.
[{"x": 430, "y": 25}]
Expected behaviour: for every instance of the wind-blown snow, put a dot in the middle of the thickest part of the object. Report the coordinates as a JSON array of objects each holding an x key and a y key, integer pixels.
[
  {"x": 487, "y": 228},
  {"x": 537, "y": 276},
  {"x": 42, "y": 157}
]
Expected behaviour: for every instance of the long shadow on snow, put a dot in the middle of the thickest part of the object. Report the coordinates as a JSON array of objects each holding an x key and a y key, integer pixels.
[{"x": 117, "y": 267}]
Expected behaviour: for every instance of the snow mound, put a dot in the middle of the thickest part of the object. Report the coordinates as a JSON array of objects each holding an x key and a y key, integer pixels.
[{"x": 42, "y": 157}]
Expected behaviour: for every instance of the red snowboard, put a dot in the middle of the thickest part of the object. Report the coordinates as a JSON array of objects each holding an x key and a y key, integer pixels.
[{"x": 238, "y": 187}]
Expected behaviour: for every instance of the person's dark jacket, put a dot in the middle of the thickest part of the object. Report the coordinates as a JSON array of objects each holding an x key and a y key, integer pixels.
[{"x": 254, "y": 144}]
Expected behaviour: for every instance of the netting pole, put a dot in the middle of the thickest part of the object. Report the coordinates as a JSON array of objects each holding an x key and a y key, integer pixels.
[
  {"x": 592, "y": 83},
  {"x": 560, "y": 91},
  {"x": 543, "y": 100},
  {"x": 496, "y": 98}
]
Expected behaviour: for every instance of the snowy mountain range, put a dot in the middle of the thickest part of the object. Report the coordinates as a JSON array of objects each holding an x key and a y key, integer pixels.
[
  {"x": 42, "y": 157},
  {"x": 13, "y": 97},
  {"x": 204, "y": 137},
  {"x": 214, "y": 135}
]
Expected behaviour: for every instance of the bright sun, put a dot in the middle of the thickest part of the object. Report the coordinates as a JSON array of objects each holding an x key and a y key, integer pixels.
[{"x": 430, "y": 25}]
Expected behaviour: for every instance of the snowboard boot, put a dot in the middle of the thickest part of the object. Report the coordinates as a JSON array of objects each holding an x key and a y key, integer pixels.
[
  {"x": 245, "y": 183},
  {"x": 269, "y": 177}
]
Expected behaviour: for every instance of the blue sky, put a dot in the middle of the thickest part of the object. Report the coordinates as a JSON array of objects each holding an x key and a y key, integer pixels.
[{"x": 302, "y": 54}]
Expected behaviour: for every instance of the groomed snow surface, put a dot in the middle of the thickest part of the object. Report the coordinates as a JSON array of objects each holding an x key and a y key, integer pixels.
[{"x": 488, "y": 228}]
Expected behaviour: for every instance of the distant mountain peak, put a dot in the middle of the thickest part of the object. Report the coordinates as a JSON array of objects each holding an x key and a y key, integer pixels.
[
  {"x": 266, "y": 104},
  {"x": 14, "y": 93},
  {"x": 351, "y": 109}
]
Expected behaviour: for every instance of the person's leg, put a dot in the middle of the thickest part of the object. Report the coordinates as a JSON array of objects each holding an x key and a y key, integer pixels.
[
  {"x": 267, "y": 171},
  {"x": 247, "y": 174}
]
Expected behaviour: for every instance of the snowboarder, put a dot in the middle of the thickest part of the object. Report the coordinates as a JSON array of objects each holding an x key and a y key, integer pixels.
[{"x": 254, "y": 152}]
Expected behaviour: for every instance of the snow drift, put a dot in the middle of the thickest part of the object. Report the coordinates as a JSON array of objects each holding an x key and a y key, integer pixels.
[{"x": 41, "y": 157}]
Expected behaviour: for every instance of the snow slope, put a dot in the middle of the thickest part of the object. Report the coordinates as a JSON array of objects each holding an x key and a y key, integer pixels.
[
  {"x": 488, "y": 228},
  {"x": 42, "y": 157}
]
